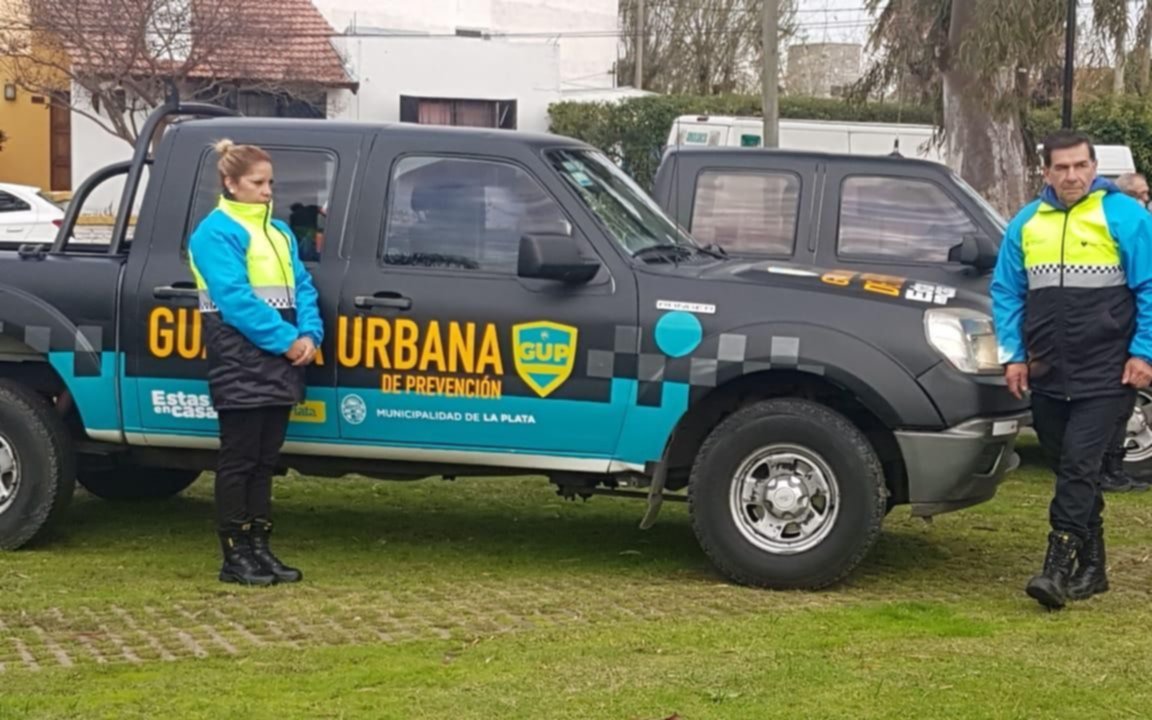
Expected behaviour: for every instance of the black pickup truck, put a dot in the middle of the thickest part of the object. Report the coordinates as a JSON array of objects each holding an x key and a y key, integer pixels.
[
  {"x": 500, "y": 303},
  {"x": 871, "y": 214}
]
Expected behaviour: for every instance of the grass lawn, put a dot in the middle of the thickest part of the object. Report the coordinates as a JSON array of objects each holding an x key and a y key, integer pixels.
[{"x": 487, "y": 598}]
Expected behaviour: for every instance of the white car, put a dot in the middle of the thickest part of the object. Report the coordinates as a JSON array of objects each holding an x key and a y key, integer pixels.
[{"x": 26, "y": 215}]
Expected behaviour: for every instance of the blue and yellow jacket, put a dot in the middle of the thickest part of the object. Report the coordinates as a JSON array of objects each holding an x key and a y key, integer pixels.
[
  {"x": 1072, "y": 291},
  {"x": 256, "y": 299}
]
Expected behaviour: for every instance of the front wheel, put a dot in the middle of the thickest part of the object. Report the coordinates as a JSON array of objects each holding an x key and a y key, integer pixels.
[{"x": 787, "y": 494}]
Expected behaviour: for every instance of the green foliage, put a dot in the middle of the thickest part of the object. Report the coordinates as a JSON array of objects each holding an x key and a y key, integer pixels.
[
  {"x": 1120, "y": 121},
  {"x": 634, "y": 131}
]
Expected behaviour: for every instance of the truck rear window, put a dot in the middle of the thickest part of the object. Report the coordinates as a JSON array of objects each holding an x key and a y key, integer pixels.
[{"x": 747, "y": 212}]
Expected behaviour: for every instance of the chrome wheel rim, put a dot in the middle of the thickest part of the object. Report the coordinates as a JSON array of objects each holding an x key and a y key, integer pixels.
[
  {"x": 9, "y": 474},
  {"x": 785, "y": 499},
  {"x": 1138, "y": 440}
]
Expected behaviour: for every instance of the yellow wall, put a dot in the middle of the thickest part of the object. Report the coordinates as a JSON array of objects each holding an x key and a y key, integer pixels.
[{"x": 25, "y": 156}]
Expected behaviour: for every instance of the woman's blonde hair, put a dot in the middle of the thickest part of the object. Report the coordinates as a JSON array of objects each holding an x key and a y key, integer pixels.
[{"x": 236, "y": 160}]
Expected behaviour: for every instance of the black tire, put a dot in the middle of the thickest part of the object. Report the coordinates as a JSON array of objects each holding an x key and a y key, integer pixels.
[
  {"x": 1138, "y": 460},
  {"x": 132, "y": 483},
  {"x": 807, "y": 430},
  {"x": 45, "y": 465}
]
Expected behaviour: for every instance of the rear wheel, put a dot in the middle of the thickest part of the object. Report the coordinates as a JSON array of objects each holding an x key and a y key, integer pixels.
[
  {"x": 787, "y": 494},
  {"x": 37, "y": 465},
  {"x": 133, "y": 482}
]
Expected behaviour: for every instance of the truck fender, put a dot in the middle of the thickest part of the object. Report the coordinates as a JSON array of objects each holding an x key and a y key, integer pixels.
[
  {"x": 880, "y": 382},
  {"x": 31, "y": 328}
]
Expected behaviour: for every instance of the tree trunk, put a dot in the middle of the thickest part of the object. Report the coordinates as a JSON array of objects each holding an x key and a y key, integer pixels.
[
  {"x": 1146, "y": 52},
  {"x": 987, "y": 151},
  {"x": 1121, "y": 64}
]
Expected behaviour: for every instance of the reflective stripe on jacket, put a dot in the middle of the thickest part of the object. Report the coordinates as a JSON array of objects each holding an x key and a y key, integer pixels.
[
  {"x": 1072, "y": 291},
  {"x": 256, "y": 299}
]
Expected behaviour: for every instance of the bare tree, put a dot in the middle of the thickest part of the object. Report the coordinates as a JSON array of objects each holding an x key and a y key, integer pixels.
[
  {"x": 703, "y": 47},
  {"x": 125, "y": 57}
]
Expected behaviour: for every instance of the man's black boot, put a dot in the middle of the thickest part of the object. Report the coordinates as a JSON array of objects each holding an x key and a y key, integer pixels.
[
  {"x": 1050, "y": 587},
  {"x": 240, "y": 566},
  {"x": 261, "y": 529},
  {"x": 1113, "y": 478},
  {"x": 1091, "y": 576}
]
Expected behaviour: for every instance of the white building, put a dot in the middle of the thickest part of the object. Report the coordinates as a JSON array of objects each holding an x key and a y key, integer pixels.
[
  {"x": 450, "y": 81},
  {"x": 495, "y": 63},
  {"x": 586, "y": 31}
]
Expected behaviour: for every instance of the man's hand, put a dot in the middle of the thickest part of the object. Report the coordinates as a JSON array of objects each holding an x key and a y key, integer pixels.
[
  {"x": 1017, "y": 376},
  {"x": 302, "y": 352},
  {"x": 1137, "y": 373}
]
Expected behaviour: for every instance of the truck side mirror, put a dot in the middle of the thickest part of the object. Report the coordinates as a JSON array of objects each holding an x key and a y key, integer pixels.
[
  {"x": 555, "y": 257},
  {"x": 971, "y": 252}
]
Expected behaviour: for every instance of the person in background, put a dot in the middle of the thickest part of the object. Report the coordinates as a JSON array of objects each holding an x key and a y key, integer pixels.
[
  {"x": 1135, "y": 185},
  {"x": 1113, "y": 478},
  {"x": 1072, "y": 306},
  {"x": 262, "y": 327}
]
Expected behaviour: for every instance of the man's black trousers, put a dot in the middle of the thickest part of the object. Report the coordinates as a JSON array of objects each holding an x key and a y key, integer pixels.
[
  {"x": 1075, "y": 434},
  {"x": 250, "y": 442}
]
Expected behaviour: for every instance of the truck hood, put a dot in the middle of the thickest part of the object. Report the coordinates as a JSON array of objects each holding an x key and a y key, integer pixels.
[{"x": 897, "y": 289}]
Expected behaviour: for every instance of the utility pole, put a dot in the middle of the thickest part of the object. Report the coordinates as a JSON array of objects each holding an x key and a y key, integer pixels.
[
  {"x": 771, "y": 72},
  {"x": 1069, "y": 62},
  {"x": 641, "y": 26}
]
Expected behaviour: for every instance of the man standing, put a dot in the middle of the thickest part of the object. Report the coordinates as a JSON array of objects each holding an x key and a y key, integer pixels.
[
  {"x": 1072, "y": 299},
  {"x": 1112, "y": 475}
]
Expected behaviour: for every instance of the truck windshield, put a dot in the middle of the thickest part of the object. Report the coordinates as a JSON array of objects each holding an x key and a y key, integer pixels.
[{"x": 631, "y": 216}]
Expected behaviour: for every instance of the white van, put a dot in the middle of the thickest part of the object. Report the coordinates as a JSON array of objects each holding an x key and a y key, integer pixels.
[{"x": 862, "y": 138}]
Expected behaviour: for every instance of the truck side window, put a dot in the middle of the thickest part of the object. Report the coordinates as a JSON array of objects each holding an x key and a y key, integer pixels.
[
  {"x": 301, "y": 191},
  {"x": 899, "y": 219},
  {"x": 747, "y": 212},
  {"x": 465, "y": 214}
]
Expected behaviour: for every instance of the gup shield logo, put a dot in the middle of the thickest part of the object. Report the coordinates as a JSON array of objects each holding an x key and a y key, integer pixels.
[{"x": 544, "y": 353}]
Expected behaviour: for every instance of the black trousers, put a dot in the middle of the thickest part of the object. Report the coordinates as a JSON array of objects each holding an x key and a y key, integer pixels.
[
  {"x": 250, "y": 442},
  {"x": 1075, "y": 435},
  {"x": 1117, "y": 449}
]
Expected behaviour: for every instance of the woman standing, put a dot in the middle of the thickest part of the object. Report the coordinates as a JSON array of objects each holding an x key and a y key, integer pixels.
[{"x": 262, "y": 327}]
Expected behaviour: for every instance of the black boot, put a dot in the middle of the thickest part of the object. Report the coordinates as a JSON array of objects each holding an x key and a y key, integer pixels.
[
  {"x": 240, "y": 566},
  {"x": 1050, "y": 587},
  {"x": 1091, "y": 577},
  {"x": 261, "y": 529},
  {"x": 1113, "y": 478}
]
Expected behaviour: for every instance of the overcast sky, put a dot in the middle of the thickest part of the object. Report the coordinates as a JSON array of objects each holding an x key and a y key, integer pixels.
[{"x": 832, "y": 20}]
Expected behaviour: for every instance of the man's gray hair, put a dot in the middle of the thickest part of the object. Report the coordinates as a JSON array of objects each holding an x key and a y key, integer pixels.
[{"x": 1127, "y": 181}]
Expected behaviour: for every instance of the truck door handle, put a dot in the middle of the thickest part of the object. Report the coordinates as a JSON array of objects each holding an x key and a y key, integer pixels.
[
  {"x": 391, "y": 300},
  {"x": 176, "y": 291}
]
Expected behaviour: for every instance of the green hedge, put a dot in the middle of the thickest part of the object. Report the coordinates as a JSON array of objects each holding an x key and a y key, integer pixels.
[{"x": 633, "y": 131}]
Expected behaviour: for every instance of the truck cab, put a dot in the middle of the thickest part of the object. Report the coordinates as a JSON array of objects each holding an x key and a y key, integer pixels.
[
  {"x": 884, "y": 215},
  {"x": 504, "y": 303}
]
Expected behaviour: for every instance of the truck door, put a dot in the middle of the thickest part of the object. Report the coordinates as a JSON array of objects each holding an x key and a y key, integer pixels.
[
  {"x": 903, "y": 221},
  {"x": 443, "y": 351},
  {"x": 313, "y": 174}
]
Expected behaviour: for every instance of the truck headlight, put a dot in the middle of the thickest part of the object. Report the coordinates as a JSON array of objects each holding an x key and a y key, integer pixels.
[{"x": 966, "y": 337}]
